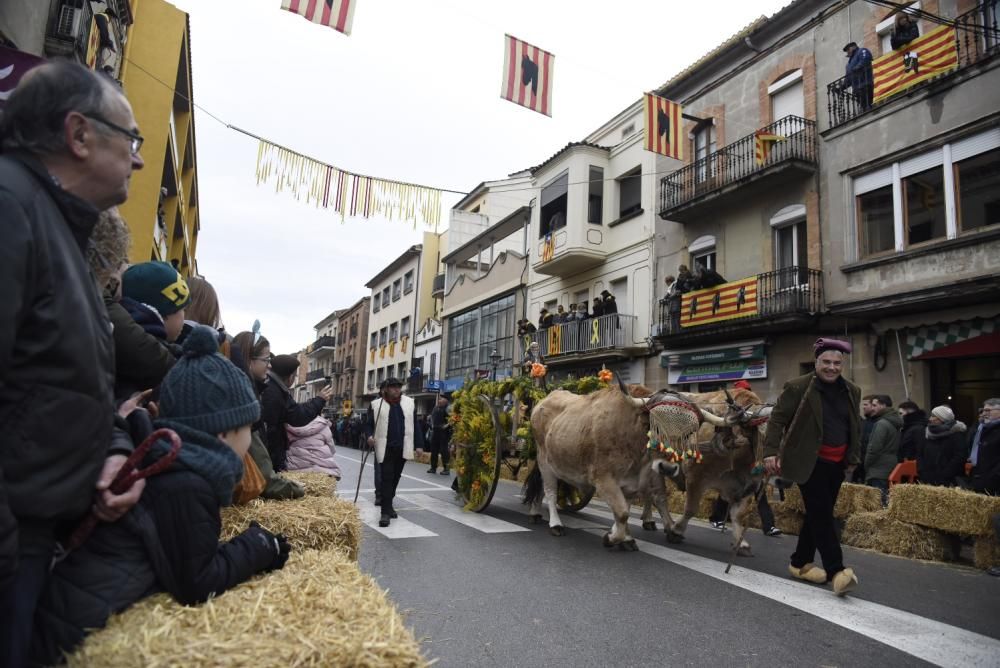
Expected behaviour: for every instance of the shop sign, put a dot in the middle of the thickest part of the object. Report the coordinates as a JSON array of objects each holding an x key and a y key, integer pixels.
[{"x": 718, "y": 372}]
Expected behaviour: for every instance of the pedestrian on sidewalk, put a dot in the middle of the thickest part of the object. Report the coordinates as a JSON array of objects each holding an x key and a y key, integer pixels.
[
  {"x": 396, "y": 435},
  {"x": 813, "y": 439},
  {"x": 883, "y": 445}
]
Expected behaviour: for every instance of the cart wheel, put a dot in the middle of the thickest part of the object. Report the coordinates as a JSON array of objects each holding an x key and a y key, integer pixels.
[
  {"x": 486, "y": 474},
  {"x": 571, "y": 498}
]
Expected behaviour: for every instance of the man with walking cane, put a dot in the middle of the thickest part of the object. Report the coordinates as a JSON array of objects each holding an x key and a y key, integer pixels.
[
  {"x": 813, "y": 439},
  {"x": 396, "y": 434}
]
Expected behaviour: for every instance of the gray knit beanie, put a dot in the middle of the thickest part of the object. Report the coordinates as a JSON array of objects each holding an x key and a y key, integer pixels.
[{"x": 204, "y": 390}]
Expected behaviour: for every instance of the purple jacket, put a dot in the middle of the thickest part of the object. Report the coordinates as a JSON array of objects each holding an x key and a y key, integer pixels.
[{"x": 310, "y": 448}]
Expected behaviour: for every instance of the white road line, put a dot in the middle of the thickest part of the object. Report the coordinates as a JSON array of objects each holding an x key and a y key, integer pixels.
[
  {"x": 398, "y": 528},
  {"x": 936, "y": 642},
  {"x": 369, "y": 463},
  {"x": 477, "y": 521},
  {"x": 346, "y": 493}
]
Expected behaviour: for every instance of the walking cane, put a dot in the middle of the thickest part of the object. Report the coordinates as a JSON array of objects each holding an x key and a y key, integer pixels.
[{"x": 368, "y": 450}]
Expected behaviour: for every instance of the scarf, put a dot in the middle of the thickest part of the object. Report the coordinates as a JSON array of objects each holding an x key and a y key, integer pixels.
[
  {"x": 205, "y": 455},
  {"x": 935, "y": 432}
]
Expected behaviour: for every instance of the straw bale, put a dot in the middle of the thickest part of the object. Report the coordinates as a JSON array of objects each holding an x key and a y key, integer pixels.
[
  {"x": 787, "y": 518},
  {"x": 313, "y": 482},
  {"x": 947, "y": 509},
  {"x": 309, "y": 523},
  {"x": 793, "y": 499},
  {"x": 676, "y": 501},
  {"x": 320, "y": 610},
  {"x": 880, "y": 531},
  {"x": 851, "y": 499},
  {"x": 986, "y": 551}
]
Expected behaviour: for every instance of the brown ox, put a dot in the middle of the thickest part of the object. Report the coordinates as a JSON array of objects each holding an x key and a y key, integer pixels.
[
  {"x": 595, "y": 442},
  {"x": 728, "y": 456}
]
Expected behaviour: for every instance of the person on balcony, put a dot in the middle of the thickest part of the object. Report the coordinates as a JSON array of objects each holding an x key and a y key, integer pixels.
[
  {"x": 859, "y": 73},
  {"x": 545, "y": 319},
  {"x": 524, "y": 328},
  {"x": 904, "y": 32},
  {"x": 560, "y": 316},
  {"x": 581, "y": 311},
  {"x": 597, "y": 310},
  {"x": 685, "y": 280},
  {"x": 608, "y": 302},
  {"x": 706, "y": 278}
]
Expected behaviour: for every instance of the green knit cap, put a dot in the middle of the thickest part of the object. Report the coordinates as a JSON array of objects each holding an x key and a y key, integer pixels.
[{"x": 204, "y": 390}]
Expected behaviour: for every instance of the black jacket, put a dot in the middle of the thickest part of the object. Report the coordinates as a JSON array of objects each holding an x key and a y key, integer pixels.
[
  {"x": 903, "y": 35},
  {"x": 56, "y": 360},
  {"x": 277, "y": 408},
  {"x": 941, "y": 460},
  {"x": 168, "y": 542},
  {"x": 141, "y": 359},
  {"x": 912, "y": 434},
  {"x": 986, "y": 474}
]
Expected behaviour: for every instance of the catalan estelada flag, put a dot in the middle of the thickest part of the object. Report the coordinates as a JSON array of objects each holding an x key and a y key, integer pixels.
[
  {"x": 762, "y": 142},
  {"x": 337, "y": 14},
  {"x": 926, "y": 57},
  {"x": 527, "y": 75},
  {"x": 737, "y": 299},
  {"x": 548, "y": 248},
  {"x": 663, "y": 127}
]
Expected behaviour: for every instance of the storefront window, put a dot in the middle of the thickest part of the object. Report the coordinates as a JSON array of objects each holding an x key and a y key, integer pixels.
[{"x": 475, "y": 334}]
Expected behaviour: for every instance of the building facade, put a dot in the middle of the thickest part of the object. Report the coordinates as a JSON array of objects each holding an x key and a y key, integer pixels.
[
  {"x": 322, "y": 355},
  {"x": 349, "y": 366}
]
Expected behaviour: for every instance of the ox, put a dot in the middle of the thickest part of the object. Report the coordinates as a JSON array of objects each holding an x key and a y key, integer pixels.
[
  {"x": 728, "y": 458},
  {"x": 597, "y": 442}
]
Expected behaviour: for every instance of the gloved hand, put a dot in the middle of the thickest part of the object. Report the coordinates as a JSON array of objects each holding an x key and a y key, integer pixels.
[{"x": 276, "y": 544}]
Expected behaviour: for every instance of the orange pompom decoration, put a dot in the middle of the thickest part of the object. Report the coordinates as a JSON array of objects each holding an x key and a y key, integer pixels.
[
  {"x": 605, "y": 375},
  {"x": 537, "y": 370}
]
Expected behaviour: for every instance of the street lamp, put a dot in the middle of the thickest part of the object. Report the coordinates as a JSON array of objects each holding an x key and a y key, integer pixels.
[{"x": 495, "y": 358}]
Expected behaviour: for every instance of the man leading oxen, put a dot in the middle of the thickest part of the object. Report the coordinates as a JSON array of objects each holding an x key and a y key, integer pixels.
[{"x": 598, "y": 442}]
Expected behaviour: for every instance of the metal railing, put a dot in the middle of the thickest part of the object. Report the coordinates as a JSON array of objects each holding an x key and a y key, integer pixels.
[
  {"x": 437, "y": 286},
  {"x": 738, "y": 161},
  {"x": 977, "y": 37},
  {"x": 785, "y": 291},
  {"x": 316, "y": 374},
  {"x": 606, "y": 332},
  {"x": 324, "y": 342}
]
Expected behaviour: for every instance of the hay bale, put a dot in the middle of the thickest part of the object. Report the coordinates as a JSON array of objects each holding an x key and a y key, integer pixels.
[
  {"x": 881, "y": 532},
  {"x": 313, "y": 482},
  {"x": 787, "y": 518},
  {"x": 947, "y": 509},
  {"x": 319, "y": 610},
  {"x": 309, "y": 523},
  {"x": 793, "y": 499},
  {"x": 986, "y": 552},
  {"x": 851, "y": 499},
  {"x": 676, "y": 501}
]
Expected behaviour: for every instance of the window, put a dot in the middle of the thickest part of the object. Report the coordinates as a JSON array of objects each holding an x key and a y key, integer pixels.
[
  {"x": 924, "y": 201},
  {"x": 383, "y": 336},
  {"x": 787, "y": 97},
  {"x": 431, "y": 372},
  {"x": 408, "y": 282},
  {"x": 553, "y": 211},
  {"x": 404, "y": 326},
  {"x": 630, "y": 192},
  {"x": 401, "y": 374},
  {"x": 595, "y": 196},
  {"x": 619, "y": 288},
  {"x": 371, "y": 380},
  {"x": 790, "y": 250},
  {"x": 704, "y": 146},
  {"x": 702, "y": 252},
  {"x": 374, "y": 341},
  {"x": 582, "y": 297},
  {"x": 394, "y": 331},
  {"x": 875, "y": 221},
  {"x": 376, "y": 303},
  {"x": 385, "y": 297},
  {"x": 397, "y": 289},
  {"x": 381, "y": 376},
  {"x": 977, "y": 180},
  {"x": 475, "y": 334}
]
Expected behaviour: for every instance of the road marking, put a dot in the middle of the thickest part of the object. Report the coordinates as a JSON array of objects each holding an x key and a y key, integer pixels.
[
  {"x": 478, "y": 521},
  {"x": 346, "y": 493},
  {"x": 936, "y": 642},
  {"x": 369, "y": 463},
  {"x": 398, "y": 528}
]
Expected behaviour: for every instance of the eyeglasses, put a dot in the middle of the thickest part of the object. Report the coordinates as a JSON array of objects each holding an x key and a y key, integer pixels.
[
  {"x": 137, "y": 139},
  {"x": 262, "y": 359}
]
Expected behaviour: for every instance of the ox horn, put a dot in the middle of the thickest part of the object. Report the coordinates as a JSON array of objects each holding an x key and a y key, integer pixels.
[
  {"x": 713, "y": 419},
  {"x": 621, "y": 385},
  {"x": 638, "y": 403}
]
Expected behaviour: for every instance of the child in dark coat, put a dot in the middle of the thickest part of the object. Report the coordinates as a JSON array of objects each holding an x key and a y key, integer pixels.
[{"x": 170, "y": 540}]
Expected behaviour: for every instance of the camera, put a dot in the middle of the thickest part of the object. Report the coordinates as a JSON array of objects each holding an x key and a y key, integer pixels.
[{"x": 328, "y": 378}]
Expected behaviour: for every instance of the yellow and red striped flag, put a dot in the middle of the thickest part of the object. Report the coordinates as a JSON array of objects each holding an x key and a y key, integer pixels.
[
  {"x": 337, "y": 14},
  {"x": 663, "y": 127},
  {"x": 935, "y": 53},
  {"x": 762, "y": 142},
  {"x": 548, "y": 248},
  {"x": 527, "y": 75},
  {"x": 736, "y": 299}
]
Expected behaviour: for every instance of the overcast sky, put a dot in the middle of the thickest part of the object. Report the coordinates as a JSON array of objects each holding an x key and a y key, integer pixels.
[{"x": 413, "y": 94}]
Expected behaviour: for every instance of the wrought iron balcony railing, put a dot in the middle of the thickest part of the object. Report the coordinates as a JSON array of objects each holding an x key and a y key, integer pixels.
[
  {"x": 316, "y": 374},
  {"x": 786, "y": 291},
  {"x": 606, "y": 332},
  {"x": 787, "y": 139},
  {"x": 324, "y": 342},
  {"x": 437, "y": 287},
  {"x": 977, "y": 38}
]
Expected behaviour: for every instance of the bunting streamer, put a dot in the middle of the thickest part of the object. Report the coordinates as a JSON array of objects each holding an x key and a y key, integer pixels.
[{"x": 348, "y": 194}]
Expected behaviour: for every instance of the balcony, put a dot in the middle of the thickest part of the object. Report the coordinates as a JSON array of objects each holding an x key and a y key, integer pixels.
[
  {"x": 596, "y": 337},
  {"x": 316, "y": 375},
  {"x": 695, "y": 189},
  {"x": 69, "y": 32},
  {"x": 775, "y": 301},
  {"x": 974, "y": 43},
  {"x": 324, "y": 344},
  {"x": 437, "y": 287}
]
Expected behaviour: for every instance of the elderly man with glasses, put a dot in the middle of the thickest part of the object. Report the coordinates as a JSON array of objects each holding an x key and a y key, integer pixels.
[
  {"x": 985, "y": 453},
  {"x": 69, "y": 144}
]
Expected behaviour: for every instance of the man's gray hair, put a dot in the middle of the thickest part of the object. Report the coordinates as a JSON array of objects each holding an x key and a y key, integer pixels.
[
  {"x": 995, "y": 401},
  {"x": 33, "y": 119}
]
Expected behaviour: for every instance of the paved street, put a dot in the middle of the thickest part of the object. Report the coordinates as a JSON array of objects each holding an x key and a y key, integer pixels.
[{"x": 493, "y": 590}]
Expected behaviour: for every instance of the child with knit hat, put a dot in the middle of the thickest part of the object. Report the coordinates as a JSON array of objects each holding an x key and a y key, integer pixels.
[
  {"x": 170, "y": 540},
  {"x": 155, "y": 294}
]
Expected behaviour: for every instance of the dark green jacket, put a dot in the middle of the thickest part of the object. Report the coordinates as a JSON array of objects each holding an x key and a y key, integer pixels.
[
  {"x": 883, "y": 445},
  {"x": 141, "y": 360},
  {"x": 798, "y": 443}
]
